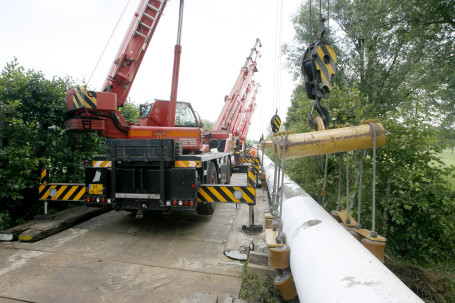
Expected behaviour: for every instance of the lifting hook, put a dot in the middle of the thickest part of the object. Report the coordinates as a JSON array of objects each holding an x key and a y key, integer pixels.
[
  {"x": 323, "y": 113},
  {"x": 318, "y": 68}
]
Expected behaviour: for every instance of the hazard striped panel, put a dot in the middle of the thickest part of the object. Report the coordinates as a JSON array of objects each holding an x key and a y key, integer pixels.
[
  {"x": 227, "y": 194},
  {"x": 187, "y": 163},
  {"x": 249, "y": 160},
  {"x": 62, "y": 192},
  {"x": 275, "y": 123},
  {"x": 101, "y": 163},
  {"x": 44, "y": 176},
  {"x": 84, "y": 98},
  {"x": 251, "y": 177},
  {"x": 326, "y": 60}
]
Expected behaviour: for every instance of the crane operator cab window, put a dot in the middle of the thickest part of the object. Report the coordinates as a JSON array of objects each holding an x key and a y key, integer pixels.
[
  {"x": 184, "y": 115},
  {"x": 145, "y": 110},
  {"x": 157, "y": 114}
]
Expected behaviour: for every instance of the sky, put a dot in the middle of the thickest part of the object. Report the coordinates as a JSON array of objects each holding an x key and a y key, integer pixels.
[{"x": 66, "y": 38}]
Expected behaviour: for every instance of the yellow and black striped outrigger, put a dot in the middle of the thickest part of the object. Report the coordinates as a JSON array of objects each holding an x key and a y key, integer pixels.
[
  {"x": 230, "y": 193},
  {"x": 60, "y": 191},
  {"x": 207, "y": 193}
]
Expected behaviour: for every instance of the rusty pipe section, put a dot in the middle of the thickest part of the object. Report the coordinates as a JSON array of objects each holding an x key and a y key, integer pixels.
[
  {"x": 330, "y": 141},
  {"x": 265, "y": 144}
]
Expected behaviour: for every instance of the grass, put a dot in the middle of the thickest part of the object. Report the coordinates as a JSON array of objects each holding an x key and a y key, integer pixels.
[
  {"x": 432, "y": 284},
  {"x": 449, "y": 159},
  {"x": 260, "y": 289}
]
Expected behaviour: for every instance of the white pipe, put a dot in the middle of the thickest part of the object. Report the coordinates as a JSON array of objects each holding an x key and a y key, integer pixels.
[{"x": 328, "y": 264}]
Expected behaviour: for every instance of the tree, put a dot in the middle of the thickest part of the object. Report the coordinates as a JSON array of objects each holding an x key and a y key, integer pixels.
[
  {"x": 384, "y": 46},
  {"x": 130, "y": 111},
  {"x": 33, "y": 136},
  {"x": 208, "y": 125},
  {"x": 386, "y": 71}
]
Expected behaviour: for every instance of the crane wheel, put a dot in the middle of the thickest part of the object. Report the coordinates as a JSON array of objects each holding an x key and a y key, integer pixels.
[
  {"x": 208, "y": 208},
  {"x": 229, "y": 171}
]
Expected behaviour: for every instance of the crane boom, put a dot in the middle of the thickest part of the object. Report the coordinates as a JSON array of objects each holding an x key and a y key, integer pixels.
[
  {"x": 235, "y": 100},
  {"x": 248, "y": 113},
  {"x": 132, "y": 50}
]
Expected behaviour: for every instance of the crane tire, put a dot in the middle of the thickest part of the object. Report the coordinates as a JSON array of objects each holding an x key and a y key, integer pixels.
[{"x": 208, "y": 208}]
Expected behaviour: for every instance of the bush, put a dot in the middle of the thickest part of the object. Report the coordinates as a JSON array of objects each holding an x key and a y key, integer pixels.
[{"x": 33, "y": 136}]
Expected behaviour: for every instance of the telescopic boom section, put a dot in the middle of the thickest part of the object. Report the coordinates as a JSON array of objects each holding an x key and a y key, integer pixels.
[
  {"x": 176, "y": 69},
  {"x": 131, "y": 52},
  {"x": 244, "y": 125},
  {"x": 235, "y": 101}
]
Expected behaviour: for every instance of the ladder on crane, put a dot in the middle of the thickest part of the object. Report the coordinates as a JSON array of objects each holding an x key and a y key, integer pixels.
[{"x": 153, "y": 9}]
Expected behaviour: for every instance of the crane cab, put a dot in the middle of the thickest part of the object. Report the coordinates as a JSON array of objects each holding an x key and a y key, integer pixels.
[
  {"x": 154, "y": 124},
  {"x": 157, "y": 114}
]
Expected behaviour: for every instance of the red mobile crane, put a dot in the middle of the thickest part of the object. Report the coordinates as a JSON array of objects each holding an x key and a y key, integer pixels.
[
  {"x": 239, "y": 104},
  {"x": 160, "y": 163},
  {"x": 244, "y": 123},
  {"x": 97, "y": 111}
]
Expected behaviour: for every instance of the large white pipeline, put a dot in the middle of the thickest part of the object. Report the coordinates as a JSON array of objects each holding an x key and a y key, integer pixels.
[{"x": 328, "y": 264}]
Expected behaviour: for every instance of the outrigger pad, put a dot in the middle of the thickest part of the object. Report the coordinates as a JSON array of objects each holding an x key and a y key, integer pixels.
[
  {"x": 252, "y": 229},
  {"x": 44, "y": 218}
]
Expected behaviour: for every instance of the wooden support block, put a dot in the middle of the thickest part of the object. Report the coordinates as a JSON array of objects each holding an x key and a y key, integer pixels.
[
  {"x": 38, "y": 230},
  {"x": 268, "y": 223},
  {"x": 270, "y": 238},
  {"x": 375, "y": 247},
  {"x": 286, "y": 285},
  {"x": 357, "y": 236},
  {"x": 365, "y": 233},
  {"x": 268, "y": 216},
  {"x": 334, "y": 215},
  {"x": 268, "y": 220},
  {"x": 343, "y": 214},
  {"x": 279, "y": 257}
]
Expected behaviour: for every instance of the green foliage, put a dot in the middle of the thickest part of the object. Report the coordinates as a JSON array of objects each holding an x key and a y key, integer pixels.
[
  {"x": 415, "y": 203},
  {"x": 33, "y": 136},
  {"x": 5, "y": 220},
  {"x": 130, "y": 111},
  {"x": 383, "y": 46},
  {"x": 260, "y": 288},
  {"x": 447, "y": 156},
  {"x": 386, "y": 71},
  {"x": 421, "y": 206},
  {"x": 208, "y": 125}
]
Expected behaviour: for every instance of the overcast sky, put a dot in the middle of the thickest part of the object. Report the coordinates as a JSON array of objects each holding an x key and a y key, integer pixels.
[{"x": 66, "y": 38}]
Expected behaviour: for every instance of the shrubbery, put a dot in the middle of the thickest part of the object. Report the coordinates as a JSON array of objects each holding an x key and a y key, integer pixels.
[{"x": 33, "y": 136}]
